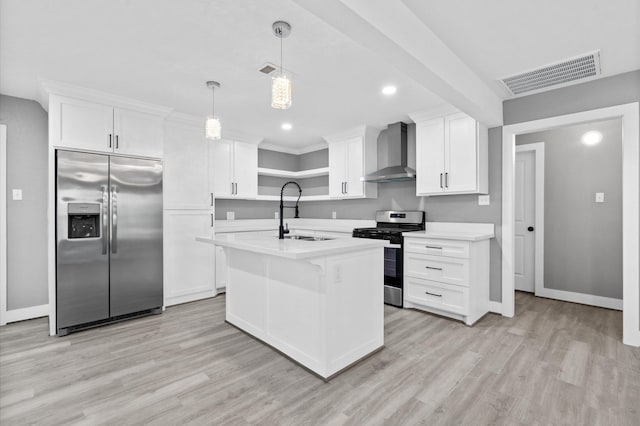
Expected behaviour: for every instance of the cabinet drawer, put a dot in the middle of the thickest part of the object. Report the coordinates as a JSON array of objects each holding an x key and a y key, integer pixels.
[
  {"x": 446, "y": 297},
  {"x": 439, "y": 268},
  {"x": 450, "y": 248}
]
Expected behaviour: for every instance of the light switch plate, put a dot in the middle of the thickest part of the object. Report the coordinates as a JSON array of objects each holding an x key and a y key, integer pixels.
[
  {"x": 231, "y": 215},
  {"x": 484, "y": 200},
  {"x": 599, "y": 197},
  {"x": 276, "y": 215},
  {"x": 16, "y": 194}
]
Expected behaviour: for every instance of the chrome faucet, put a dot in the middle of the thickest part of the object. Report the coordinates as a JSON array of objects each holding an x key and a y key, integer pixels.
[{"x": 281, "y": 230}]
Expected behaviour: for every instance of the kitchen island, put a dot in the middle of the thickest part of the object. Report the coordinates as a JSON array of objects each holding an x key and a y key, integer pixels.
[{"x": 319, "y": 302}]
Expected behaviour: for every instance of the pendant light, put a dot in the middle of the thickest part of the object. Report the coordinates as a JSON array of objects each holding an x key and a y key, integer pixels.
[
  {"x": 213, "y": 128},
  {"x": 281, "y": 85}
]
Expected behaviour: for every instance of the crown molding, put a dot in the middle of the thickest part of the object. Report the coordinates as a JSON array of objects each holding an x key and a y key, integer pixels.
[
  {"x": 290, "y": 150},
  {"x": 363, "y": 130},
  {"x": 431, "y": 113},
  {"x": 51, "y": 87}
]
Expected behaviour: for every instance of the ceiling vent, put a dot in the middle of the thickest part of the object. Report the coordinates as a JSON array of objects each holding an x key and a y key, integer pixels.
[
  {"x": 272, "y": 69},
  {"x": 563, "y": 73},
  {"x": 268, "y": 68}
]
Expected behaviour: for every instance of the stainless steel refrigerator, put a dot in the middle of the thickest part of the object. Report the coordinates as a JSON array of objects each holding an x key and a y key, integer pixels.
[{"x": 109, "y": 239}]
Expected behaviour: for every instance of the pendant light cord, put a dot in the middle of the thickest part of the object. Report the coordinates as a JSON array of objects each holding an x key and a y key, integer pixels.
[
  {"x": 280, "y": 53},
  {"x": 213, "y": 101}
]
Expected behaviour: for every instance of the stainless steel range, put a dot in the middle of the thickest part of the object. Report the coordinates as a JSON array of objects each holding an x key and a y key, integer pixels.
[{"x": 389, "y": 226}]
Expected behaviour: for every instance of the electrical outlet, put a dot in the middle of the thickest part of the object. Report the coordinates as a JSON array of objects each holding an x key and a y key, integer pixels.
[
  {"x": 484, "y": 200},
  {"x": 276, "y": 215},
  {"x": 334, "y": 215},
  {"x": 16, "y": 194},
  {"x": 599, "y": 197},
  {"x": 231, "y": 215}
]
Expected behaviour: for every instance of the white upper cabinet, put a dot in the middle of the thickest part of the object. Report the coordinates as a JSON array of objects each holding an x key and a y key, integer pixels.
[
  {"x": 352, "y": 154},
  {"x": 138, "y": 133},
  {"x": 188, "y": 168},
  {"x": 236, "y": 169},
  {"x": 451, "y": 155},
  {"x": 100, "y": 127},
  {"x": 81, "y": 125}
]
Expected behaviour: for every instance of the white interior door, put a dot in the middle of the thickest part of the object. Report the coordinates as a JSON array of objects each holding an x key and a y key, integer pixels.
[{"x": 524, "y": 264}]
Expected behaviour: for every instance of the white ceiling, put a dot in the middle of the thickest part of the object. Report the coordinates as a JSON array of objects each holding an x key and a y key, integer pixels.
[
  {"x": 163, "y": 51},
  {"x": 499, "y": 38}
]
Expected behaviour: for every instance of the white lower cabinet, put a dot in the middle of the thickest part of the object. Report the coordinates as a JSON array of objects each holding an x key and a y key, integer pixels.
[
  {"x": 221, "y": 270},
  {"x": 447, "y": 277},
  {"x": 189, "y": 266}
]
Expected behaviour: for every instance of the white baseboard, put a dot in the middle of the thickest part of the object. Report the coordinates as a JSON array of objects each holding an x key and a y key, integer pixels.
[
  {"x": 190, "y": 297},
  {"x": 585, "y": 299},
  {"x": 495, "y": 307},
  {"x": 27, "y": 313},
  {"x": 631, "y": 338}
]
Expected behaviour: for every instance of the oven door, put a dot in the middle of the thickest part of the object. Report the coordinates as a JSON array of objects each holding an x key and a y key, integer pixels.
[{"x": 393, "y": 275}]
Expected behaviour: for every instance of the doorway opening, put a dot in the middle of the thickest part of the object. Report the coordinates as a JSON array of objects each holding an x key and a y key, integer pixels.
[
  {"x": 578, "y": 256},
  {"x": 630, "y": 123}
]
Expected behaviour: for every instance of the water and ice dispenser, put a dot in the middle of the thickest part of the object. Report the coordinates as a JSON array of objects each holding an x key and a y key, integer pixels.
[{"x": 84, "y": 220}]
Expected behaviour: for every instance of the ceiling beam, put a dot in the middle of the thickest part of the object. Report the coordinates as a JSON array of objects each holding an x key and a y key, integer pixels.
[{"x": 393, "y": 32}]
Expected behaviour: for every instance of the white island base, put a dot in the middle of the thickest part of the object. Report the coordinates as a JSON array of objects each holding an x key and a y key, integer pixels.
[{"x": 324, "y": 311}]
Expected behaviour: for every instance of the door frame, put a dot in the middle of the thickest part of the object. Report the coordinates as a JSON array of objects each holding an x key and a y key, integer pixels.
[
  {"x": 3, "y": 224},
  {"x": 630, "y": 116},
  {"x": 538, "y": 269}
]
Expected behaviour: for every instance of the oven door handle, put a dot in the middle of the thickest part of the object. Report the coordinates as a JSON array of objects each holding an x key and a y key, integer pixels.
[{"x": 395, "y": 246}]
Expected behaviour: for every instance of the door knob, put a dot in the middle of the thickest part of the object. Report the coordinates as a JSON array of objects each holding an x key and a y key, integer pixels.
[{"x": 530, "y": 229}]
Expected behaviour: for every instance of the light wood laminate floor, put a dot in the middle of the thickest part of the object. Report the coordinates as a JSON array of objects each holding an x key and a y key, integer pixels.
[{"x": 554, "y": 363}]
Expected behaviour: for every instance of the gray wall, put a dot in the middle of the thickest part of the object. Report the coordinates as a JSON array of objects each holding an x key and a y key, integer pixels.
[
  {"x": 582, "y": 238},
  {"x": 26, "y": 220},
  {"x": 402, "y": 196},
  {"x": 616, "y": 90}
]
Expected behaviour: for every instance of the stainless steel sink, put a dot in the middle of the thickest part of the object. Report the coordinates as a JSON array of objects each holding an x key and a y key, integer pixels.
[{"x": 306, "y": 238}]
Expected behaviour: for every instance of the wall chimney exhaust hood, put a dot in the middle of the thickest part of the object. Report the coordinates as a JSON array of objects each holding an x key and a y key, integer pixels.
[{"x": 397, "y": 169}]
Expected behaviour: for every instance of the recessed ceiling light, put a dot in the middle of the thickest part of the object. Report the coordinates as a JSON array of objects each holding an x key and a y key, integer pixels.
[
  {"x": 592, "y": 137},
  {"x": 389, "y": 90},
  {"x": 286, "y": 126}
]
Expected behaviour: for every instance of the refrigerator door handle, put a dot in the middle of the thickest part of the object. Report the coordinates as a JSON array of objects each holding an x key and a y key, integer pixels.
[
  {"x": 105, "y": 217},
  {"x": 113, "y": 235}
]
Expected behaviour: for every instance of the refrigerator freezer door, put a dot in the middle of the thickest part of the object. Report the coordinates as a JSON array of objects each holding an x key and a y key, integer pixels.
[
  {"x": 136, "y": 235},
  {"x": 81, "y": 236}
]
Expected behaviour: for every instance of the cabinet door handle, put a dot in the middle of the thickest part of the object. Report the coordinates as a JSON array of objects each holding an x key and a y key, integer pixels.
[
  {"x": 110, "y": 138},
  {"x": 434, "y": 268},
  {"x": 434, "y": 247},
  {"x": 211, "y": 199},
  {"x": 446, "y": 179},
  {"x": 441, "y": 180},
  {"x": 346, "y": 187},
  {"x": 116, "y": 141},
  {"x": 231, "y": 188},
  {"x": 433, "y": 294},
  {"x": 236, "y": 191},
  {"x": 212, "y": 220}
]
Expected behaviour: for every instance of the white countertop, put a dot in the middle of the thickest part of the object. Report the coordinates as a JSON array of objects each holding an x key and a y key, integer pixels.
[
  {"x": 455, "y": 231},
  {"x": 291, "y": 249}
]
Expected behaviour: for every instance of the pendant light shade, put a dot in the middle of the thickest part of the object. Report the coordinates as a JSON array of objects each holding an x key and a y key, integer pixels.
[
  {"x": 281, "y": 92},
  {"x": 281, "y": 84},
  {"x": 213, "y": 128}
]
